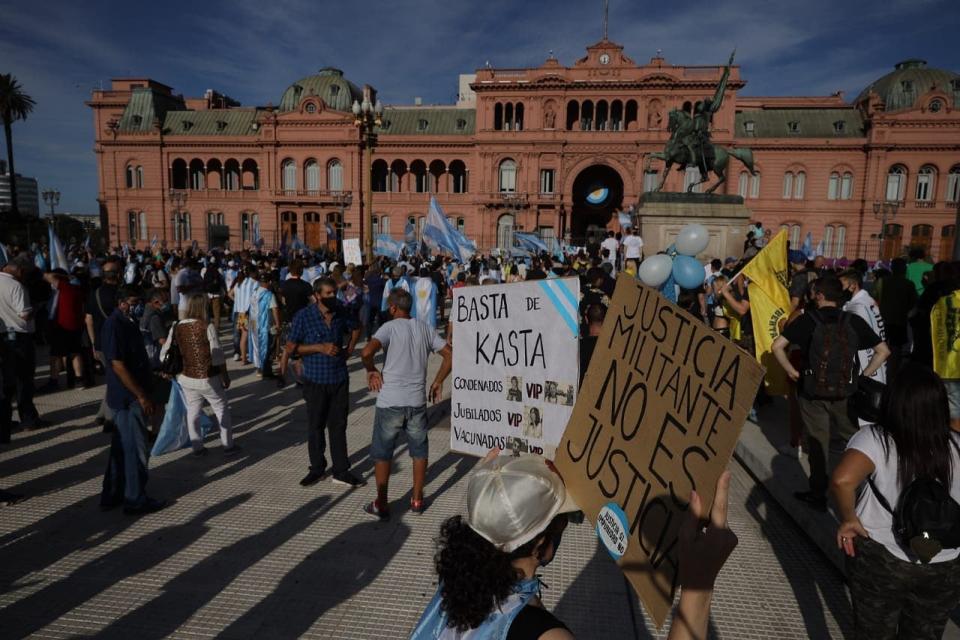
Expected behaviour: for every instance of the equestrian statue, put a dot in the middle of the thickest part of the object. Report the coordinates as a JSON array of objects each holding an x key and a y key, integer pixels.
[{"x": 690, "y": 146}]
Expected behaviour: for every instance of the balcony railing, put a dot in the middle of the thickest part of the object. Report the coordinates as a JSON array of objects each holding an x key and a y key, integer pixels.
[
  {"x": 312, "y": 196},
  {"x": 388, "y": 197},
  {"x": 925, "y": 204},
  {"x": 224, "y": 194}
]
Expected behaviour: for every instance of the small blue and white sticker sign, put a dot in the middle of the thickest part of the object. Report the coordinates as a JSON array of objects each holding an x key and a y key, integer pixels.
[{"x": 612, "y": 529}]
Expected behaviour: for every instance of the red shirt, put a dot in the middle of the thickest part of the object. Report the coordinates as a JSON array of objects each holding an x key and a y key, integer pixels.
[{"x": 69, "y": 307}]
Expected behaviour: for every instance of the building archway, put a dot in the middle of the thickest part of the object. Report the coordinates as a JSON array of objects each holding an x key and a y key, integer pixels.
[{"x": 597, "y": 193}]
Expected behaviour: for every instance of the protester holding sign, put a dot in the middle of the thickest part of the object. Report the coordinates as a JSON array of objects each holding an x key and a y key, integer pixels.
[
  {"x": 517, "y": 510},
  {"x": 402, "y": 399}
]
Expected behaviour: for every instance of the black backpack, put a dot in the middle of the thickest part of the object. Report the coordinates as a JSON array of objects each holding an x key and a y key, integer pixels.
[
  {"x": 832, "y": 364},
  {"x": 926, "y": 520}
]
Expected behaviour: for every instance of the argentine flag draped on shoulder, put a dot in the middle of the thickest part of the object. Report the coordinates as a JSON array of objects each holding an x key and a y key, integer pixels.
[
  {"x": 425, "y": 301},
  {"x": 769, "y": 307}
]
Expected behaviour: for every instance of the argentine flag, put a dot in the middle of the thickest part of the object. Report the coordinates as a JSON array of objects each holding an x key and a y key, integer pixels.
[
  {"x": 58, "y": 259},
  {"x": 425, "y": 301},
  {"x": 386, "y": 246},
  {"x": 439, "y": 234},
  {"x": 530, "y": 242}
]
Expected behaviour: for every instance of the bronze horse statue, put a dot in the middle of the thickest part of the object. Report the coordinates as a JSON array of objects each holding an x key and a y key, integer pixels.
[{"x": 683, "y": 144}]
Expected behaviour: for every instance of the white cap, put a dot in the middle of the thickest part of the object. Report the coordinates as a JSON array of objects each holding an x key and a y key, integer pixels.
[{"x": 511, "y": 500}]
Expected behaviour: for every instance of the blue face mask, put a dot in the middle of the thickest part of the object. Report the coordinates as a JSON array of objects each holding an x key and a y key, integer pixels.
[{"x": 166, "y": 307}]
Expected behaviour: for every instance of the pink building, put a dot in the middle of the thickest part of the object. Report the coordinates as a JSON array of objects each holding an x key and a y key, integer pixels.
[{"x": 554, "y": 149}]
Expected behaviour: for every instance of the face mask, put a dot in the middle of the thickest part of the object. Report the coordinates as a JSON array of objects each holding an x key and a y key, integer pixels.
[
  {"x": 166, "y": 307},
  {"x": 330, "y": 303},
  {"x": 847, "y": 296}
]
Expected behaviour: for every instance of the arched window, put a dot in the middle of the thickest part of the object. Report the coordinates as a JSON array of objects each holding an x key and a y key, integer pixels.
[
  {"x": 839, "y": 240},
  {"x": 616, "y": 115},
  {"x": 231, "y": 175},
  {"x": 793, "y": 232},
  {"x": 651, "y": 180},
  {"x": 828, "y": 241},
  {"x": 334, "y": 176},
  {"x": 498, "y": 116},
  {"x": 397, "y": 170},
  {"x": 833, "y": 189},
  {"x": 926, "y": 183},
  {"x": 437, "y": 170},
  {"x": 311, "y": 176},
  {"x": 743, "y": 184},
  {"x": 691, "y": 179},
  {"x": 385, "y": 225},
  {"x": 586, "y": 116},
  {"x": 630, "y": 116},
  {"x": 130, "y": 177},
  {"x": 139, "y": 177},
  {"x": 178, "y": 174},
  {"x": 462, "y": 225},
  {"x": 953, "y": 185},
  {"x": 181, "y": 227},
  {"x": 288, "y": 175},
  {"x": 787, "y": 185},
  {"x": 288, "y": 225},
  {"x": 132, "y": 226},
  {"x": 142, "y": 223},
  {"x": 508, "y": 117},
  {"x": 379, "y": 175},
  {"x": 196, "y": 175},
  {"x": 603, "y": 115},
  {"x": 573, "y": 113},
  {"x": 508, "y": 176},
  {"x": 458, "y": 173},
  {"x": 420, "y": 221},
  {"x": 419, "y": 170},
  {"x": 846, "y": 186},
  {"x": 251, "y": 175},
  {"x": 755, "y": 185},
  {"x": 799, "y": 184},
  {"x": 896, "y": 183},
  {"x": 248, "y": 221},
  {"x": 505, "y": 231},
  {"x": 948, "y": 235},
  {"x": 518, "y": 117},
  {"x": 214, "y": 174}
]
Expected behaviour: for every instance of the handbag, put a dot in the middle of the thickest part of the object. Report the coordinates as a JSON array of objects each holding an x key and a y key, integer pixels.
[
  {"x": 868, "y": 399},
  {"x": 172, "y": 363}
]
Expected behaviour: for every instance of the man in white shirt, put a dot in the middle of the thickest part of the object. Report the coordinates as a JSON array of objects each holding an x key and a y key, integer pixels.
[
  {"x": 17, "y": 353},
  {"x": 632, "y": 246},
  {"x": 861, "y": 304},
  {"x": 612, "y": 247}
]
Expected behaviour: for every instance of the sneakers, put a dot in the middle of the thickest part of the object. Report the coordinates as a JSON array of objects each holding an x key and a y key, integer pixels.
[
  {"x": 813, "y": 500},
  {"x": 312, "y": 478},
  {"x": 236, "y": 357},
  {"x": 348, "y": 479},
  {"x": 372, "y": 509}
]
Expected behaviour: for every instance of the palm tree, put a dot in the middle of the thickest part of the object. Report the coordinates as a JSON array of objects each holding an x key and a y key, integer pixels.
[{"x": 14, "y": 105}]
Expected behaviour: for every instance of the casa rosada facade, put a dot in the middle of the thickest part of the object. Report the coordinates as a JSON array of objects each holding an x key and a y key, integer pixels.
[{"x": 552, "y": 149}]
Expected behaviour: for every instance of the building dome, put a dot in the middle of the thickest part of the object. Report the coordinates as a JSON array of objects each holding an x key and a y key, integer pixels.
[
  {"x": 909, "y": 80},
  {"x": 329, "y": 84}
]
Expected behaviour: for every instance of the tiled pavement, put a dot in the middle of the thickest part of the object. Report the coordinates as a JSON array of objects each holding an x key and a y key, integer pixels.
[{"x": 243, "y": 551}]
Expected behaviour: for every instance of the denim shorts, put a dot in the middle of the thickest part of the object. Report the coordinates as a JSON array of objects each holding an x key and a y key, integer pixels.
[
  {"x": 953, "y": 397},
  {"x": 389, "y": 421}
]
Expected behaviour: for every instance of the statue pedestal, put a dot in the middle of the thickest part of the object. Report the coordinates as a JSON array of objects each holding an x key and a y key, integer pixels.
[{"x": 662, "y": 215}]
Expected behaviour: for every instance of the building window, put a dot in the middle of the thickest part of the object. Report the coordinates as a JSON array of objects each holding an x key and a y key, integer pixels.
[
  {"x": 546, "y": 180},
  {"x": 335, "y": 176},
  {"x": 787, "y": 185},
  {"x": 130, "y": 176},
  {"x": 953, "y": 185},
  {"x": 231, "y": 174},
  {"x": 311, "y": 176},
  {"x": 461, "y": 124},
  {"x": 458, "y": 171},
  {"x": 334, "y": 90},
  {"x": 925, "y": 183},
  {"x": 133, "y": 226},
  {"x": 936, "y": 106},
  {"x": 181, "y": 227},
  {"x": 755, "y": 185},
  {"x": 833, "y": 190},
  {"x": 505, "y": 231},
  {"x": 906, "y": 85},
  {"x": 846, "y": 186},
  {"x": 288, "y": 175},
  {"x": 921, "y": 236},
  {"x": 248, "y": 221},
  {"x": 422, "y": 125},
  {"x": 385, "y": 225},
  {"x": 420, "y": 182},
  {"x": 462, "y": 226},
  {"x": 896, "y": 183},
  {"x": 793, "y": 232},
  {"x": 691, "y": 179},
  {"x": 749, "y": 128},
  {"x": 839, "y": 126},
  {"x": 743, "y": 184},
  {"x": 793, "y": 127},
  {"x": 197, "y": 172},
  {"x": 311, "y": 107},
  {"x": 828, "y": 241},
  {"x": 139, "y": 177},
  {"x": 794, "y": 185},
  {"x": 650, "y": 180},
  {"x": 508, "y": 176},
  {"x": 375, "y": 221}
]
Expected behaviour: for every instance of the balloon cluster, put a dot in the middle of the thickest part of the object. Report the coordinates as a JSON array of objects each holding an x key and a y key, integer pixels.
[{"x": 678, "y": 261}]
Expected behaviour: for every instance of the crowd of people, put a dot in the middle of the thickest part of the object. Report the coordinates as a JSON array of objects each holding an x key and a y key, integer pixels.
[{"x": 146, "y": 318}]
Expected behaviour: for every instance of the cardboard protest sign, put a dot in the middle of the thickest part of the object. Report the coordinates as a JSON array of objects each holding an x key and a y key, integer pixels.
[
  {"x": 659, "y": 412},
  {"x": 515, "y": 365},
  {"x": 351, "y": 251}
]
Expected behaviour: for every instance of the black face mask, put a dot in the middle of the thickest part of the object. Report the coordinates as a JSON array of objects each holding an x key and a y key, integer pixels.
[
  {"x": 330, "y": 303},
  {"x": 847, "y": 295}
]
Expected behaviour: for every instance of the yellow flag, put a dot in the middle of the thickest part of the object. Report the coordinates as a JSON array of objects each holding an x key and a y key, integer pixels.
[
  {"x": 769, "y": 305},
  {"x": 945, "y": 331}
]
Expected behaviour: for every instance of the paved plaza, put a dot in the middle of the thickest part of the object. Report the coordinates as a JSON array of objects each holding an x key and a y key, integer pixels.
[{"x": 243, "y": 551}]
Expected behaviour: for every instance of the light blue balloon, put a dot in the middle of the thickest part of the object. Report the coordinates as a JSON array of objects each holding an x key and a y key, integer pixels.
[
  {"x": 655, "y": 270},
  {"x": 692, "y": 239},
  {"x": 688, "y": 272}
]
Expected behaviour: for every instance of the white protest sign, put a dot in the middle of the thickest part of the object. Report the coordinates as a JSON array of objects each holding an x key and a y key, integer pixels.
[
  {"x": 351, "y": 251},
  {"x": 515, "y": 365}
]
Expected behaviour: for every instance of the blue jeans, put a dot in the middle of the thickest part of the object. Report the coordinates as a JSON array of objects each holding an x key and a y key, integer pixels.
[
  {"x": 387, "y": 424},
  {"x": 126, "y": 476}
]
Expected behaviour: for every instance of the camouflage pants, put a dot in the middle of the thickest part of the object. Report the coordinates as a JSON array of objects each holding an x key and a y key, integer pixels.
[{"x": 893, "y": 599}]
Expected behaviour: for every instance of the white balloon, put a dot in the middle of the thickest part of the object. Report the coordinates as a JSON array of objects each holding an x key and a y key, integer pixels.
[
  {"x": 692, "y": 239},
  {"x": 655, "y": 270}
]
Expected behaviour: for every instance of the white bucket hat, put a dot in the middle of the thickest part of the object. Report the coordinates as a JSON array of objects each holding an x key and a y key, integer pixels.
[{"x": 511, "y": 500}]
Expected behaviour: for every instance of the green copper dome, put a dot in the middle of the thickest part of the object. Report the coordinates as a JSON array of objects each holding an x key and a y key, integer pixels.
[
  {"x": 337, "y": 92},
  {"x": 909, "y": 80}
]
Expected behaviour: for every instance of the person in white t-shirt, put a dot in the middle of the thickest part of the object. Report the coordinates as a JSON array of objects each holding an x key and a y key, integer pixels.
[
  {"x": 897, "y": 586},
  {"x": 632, "y": 246},
  {"x": 861, "y": 304},
  {"x": 612, "y": 247}
]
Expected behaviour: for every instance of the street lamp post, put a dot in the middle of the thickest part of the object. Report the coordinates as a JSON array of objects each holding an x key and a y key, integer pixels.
[
  {"x": 956, "y": 226},
  {"x": 51, "y": 197},
  {"x": 178, "y": 197},
  {"x": 366, "y": 117},
  {"x": 884, "y": 211}
]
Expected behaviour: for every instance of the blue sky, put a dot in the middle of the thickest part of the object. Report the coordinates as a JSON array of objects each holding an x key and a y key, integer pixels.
[{"x": 252, "y": 50}]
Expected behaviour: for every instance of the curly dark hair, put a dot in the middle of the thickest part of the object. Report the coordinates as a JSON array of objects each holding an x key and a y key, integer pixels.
[{"x": 476, "y": 577}]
